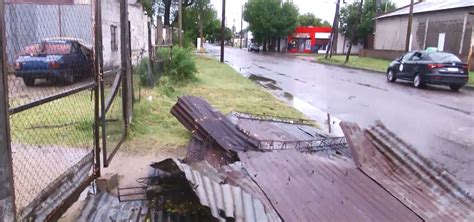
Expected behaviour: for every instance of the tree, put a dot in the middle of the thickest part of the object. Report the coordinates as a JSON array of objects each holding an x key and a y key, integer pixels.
[
  {"x": 205, "y": 13},
  {"x": 309, "y": 19},
  {"x": 200, "y": 20},
  {"x": 365, "y": 27},
  {"x": 270, "y": 19}
]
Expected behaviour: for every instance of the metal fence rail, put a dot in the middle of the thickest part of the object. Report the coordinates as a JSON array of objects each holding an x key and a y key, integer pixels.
[{"x": 309, "y": 146}]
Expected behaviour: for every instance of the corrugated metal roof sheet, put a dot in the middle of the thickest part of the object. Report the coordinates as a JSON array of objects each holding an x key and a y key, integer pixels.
[
  {"x": 105, "y": 207},
  {"x": 430, "y": 6},
  {"x": 429, "y": 191},
  {"x": 222, "y": 198},
  {"x": 305, "y": 187}
]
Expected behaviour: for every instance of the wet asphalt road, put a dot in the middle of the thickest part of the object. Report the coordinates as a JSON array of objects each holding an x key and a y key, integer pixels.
[{"x": 437, "y": 122}]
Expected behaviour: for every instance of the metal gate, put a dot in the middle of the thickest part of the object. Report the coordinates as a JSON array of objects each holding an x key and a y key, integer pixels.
[
  {"x": 115, "y": 83},
  {"x": 52, "y": 102},
  {"x": 60, "y": 108}
]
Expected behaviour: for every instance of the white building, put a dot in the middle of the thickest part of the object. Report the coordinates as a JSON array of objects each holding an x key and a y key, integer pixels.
[{"x": 111, "y": 32}]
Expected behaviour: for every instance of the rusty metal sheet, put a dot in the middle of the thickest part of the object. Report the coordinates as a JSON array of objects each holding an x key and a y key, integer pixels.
[
  {"x": 206, "y": 123},
  {"x": 305, "y": 187},
  {"x": 423, "y": 187},
  {"x": 209, "y": 151}
]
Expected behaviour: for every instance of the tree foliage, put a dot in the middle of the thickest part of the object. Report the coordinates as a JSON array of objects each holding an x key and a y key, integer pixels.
[
  {"x": 309, "y": 19},
  {"x": 270, "y": 19},
  {"x": 202, "y": 16},
  {"x": 365, "y": 26},
  {"x": 170, "y": 7}
]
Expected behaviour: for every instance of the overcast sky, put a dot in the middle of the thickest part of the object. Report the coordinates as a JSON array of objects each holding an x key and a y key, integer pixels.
[{"x": 323, "y": 9}]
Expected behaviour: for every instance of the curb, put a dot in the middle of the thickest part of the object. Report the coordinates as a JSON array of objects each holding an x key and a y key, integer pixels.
[{"x": 468, "y": 87}]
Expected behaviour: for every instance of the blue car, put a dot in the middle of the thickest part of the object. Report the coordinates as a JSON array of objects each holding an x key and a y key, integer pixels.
[{"x": 57, "y": 59}]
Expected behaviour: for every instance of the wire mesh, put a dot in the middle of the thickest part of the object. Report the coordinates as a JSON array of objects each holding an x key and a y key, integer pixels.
[
  {"x": 51, "y": 83},
  {"x": 114, "y": 119}
]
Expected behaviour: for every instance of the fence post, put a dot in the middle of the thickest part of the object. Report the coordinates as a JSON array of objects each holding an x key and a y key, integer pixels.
[
  {"x": 125, "y": 63},
  {"x": 7, "y": 196},
  {"x": 99, "y": 91}
]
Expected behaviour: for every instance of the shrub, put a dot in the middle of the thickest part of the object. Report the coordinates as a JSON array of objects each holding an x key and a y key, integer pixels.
[
  {"x": 142, "y": 70},
  {"x": 182, "y": 67}
]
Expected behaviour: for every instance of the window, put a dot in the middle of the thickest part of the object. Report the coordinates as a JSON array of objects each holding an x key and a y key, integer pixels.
[
  {"x": 417, "y": 57},
  {"x": 407, "y": 56},
  {"x": 113, "y": 38},
  {"x": 443, "y": 57},
  {"x": 48, "y": 48}
]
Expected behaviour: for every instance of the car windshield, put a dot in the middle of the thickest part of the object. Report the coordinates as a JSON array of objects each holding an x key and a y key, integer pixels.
[
  {"x": 48, "y": 48},
  {"x": 443, "y": 57}
]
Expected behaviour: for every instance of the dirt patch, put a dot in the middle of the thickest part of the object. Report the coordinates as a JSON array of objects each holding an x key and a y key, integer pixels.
[
  {"x": 129, "y": 166},
  {"x": 133, "y": 166}
]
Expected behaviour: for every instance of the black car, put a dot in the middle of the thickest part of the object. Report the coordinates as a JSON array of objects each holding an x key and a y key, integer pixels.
[
  {"x": 63, "y": 59},
  {"x": 429, "y": 67}
]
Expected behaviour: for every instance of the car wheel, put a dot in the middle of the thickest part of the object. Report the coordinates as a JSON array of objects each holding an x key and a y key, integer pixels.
[
  {"x": 418, "y": 82},
  {"x": 29, "y": 81},
  {"x": 391, "y": 76},
  {"x": 68, "y": 79},
  {"x": 455, "y": 87}
]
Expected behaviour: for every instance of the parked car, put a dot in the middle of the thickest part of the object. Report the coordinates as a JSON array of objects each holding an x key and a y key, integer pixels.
[
  {"x": 254, "y": 47},
  {"x": 63, "y": 59},
  {"x": 429, "y": 67}
]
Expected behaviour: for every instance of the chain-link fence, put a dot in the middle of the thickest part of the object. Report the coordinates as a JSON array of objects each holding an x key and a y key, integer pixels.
[
  {"x": 64, "y": 108},
  {"x": 114, "y": 130},
  {"x": 51, "y": 84}
]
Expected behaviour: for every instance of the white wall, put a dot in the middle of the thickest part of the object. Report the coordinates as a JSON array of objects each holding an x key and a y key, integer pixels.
[
  {"x": 138, "y": 32},
  {"x": 110, "y": 16},
  {"x": 343, "y": 45}
]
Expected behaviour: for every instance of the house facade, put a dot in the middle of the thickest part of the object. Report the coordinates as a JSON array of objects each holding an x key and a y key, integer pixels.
[
  {"x": 111, "y": 32},
  {"x": 446, "y": 25}
]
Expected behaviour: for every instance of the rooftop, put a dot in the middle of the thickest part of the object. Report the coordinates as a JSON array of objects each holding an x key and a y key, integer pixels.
[{"x": 430, "y": 6}]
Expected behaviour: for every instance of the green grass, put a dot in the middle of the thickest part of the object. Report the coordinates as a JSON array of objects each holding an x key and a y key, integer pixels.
[
  {"x": 64, "y": 122},
  {"x": 155, "y": 128},
  {"x": 68, "y": 122},
  {"x": 471, "y": 79},
  {"x": 374, "y": 64}
]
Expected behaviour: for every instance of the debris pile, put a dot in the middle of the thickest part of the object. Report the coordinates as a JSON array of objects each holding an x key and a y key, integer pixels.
[
  {"x": 245, "y": 167},
  {"x": 211, "y": 130}
]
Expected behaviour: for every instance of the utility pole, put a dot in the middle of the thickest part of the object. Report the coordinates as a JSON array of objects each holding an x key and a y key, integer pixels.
[
  {"x": 335, "y": 26},
  {"x": 241, "y": 25},
  {"x": 222, "y": 31},
  {"x": 410, "y": 20},
  {"x": 354, "y": 30},
  {"x": 180, "y": 22}
]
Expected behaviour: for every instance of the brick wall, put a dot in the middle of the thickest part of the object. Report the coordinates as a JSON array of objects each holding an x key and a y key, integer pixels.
[{"x": 382, "y": 54}]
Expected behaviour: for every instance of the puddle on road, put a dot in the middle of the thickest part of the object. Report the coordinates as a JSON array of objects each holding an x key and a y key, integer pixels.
[
  {"x": 259, "y": 79},
  {"x": 301, "y": 105}
]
